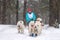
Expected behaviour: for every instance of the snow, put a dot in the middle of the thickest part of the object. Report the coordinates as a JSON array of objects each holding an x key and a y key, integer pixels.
[{"x": 9, "y": 32}]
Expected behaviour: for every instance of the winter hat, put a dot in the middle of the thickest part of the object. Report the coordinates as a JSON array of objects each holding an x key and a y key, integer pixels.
[{"x": 29, "y": 10}]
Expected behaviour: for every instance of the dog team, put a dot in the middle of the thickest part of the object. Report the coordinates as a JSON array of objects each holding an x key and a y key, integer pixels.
[{"x": 34, "y": 27}]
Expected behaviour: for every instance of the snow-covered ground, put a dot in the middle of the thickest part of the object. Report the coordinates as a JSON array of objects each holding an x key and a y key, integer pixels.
[{"x": 9, "y": 32}]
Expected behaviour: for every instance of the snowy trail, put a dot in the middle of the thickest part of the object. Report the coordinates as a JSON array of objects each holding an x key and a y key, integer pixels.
[{"x": 9, "y": 32}]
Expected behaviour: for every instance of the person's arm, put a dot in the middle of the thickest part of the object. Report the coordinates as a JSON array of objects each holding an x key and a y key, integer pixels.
[
  {"x": 34, "y": 16},
  {"x": 27, "y": 18}
]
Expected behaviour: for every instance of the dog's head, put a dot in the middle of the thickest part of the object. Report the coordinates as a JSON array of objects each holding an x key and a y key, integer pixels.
[
  {"x": 37, "y": 24},
  {"x": 31, "y": 23},
  {"x": 39, "y": 20},
  {"x": 20, "y": 22}
]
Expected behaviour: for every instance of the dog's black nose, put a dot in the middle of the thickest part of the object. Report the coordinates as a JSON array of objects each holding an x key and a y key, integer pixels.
[
  {"x": 35, "y": 26},
  {"x": 32, "y": 25}
]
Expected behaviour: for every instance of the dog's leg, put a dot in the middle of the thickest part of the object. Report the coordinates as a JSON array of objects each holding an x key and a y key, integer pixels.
[
  {"x": 22, "y": 30},
  {"x": 18, "y": 30}
]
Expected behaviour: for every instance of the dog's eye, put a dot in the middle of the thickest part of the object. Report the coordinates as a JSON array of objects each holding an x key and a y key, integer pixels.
[
  {"x": 20, "y": 22},
  {"x": 35, "y": 26},
  {"x": 40, "y": 21}
]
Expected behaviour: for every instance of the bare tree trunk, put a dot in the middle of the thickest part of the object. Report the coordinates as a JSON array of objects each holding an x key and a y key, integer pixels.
[
  {"x": 54, "y": 12},
  {"x": 59, "y": 10},
  {"x": 25, "y": 2},
  {"x": 17, "y": 11},
  {"x": 0, "y": 10},
  {"x": 4, "y": 12}
]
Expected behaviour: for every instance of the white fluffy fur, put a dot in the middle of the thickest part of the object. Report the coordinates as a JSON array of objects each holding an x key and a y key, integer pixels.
[
  {"x": 30, "y": 27},
  {"x": 39, "y": 19},
  {"x": 39, "y": 27},
  {"x": 21, "y": 24}
]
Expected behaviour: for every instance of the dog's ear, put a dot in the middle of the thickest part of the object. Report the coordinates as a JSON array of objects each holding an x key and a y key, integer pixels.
[{"x": 20, "y": 21}]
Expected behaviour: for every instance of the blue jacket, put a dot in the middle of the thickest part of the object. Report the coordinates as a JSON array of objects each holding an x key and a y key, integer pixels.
[{"x": 28, "y": 19}]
